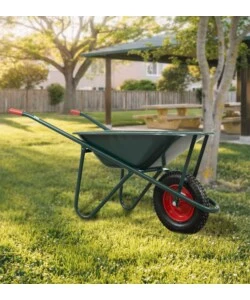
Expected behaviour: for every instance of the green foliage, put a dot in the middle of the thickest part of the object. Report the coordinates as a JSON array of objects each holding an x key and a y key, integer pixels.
[
  {"x": 181, "y": 41},
  {"x": 11, "y": 79},
  {"x": 244, "y": 56},
  {"x": 56, "y": 93},
  {"x": 232, "y": 88},
  {"x": 25, "y": 74},
  {"x": 138, "y": 85},
  {"x": 60, "y": 41},
  {"x": 174, "y": 78},
  {"x": 43, "y": 241},
  {"x": 48, "y": 38}
]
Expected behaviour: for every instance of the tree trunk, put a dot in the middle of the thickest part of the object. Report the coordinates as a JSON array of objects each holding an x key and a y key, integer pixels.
[
  {"x": 214, "y": 100},
  {"x": 207, "y": 168},
  {"x": 219, "y": 102},
  {"x": 70, "y": 94}
]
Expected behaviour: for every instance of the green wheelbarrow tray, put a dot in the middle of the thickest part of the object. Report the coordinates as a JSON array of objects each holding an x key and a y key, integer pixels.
[
  {"x": 139, "y": 149},
  {"x": 180, "y": 201}
]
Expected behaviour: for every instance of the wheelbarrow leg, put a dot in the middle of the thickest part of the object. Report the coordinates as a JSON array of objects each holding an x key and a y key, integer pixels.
[
  {"x": 184, "y": 171},
  {"x": 121, "y": 188},
  {"x": 203, "y": 147},
  {"x": 79, "y": 179},
  {"x": 104, "y": 201},
  {"x": 137, "y": 200}
]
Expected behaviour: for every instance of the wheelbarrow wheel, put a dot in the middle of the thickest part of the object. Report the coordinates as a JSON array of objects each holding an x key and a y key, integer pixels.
[{"x": 183, "y": 217}]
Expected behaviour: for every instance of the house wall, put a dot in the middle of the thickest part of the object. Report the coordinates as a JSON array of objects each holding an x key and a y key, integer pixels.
[{"x": 120, "y": 73}]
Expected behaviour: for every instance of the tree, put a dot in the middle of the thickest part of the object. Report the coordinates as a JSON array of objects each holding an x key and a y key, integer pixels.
[
  {"x": 11, "y": 79},
  {"x": 24, "y": 75},
  {"x": 60, "y": 41},
  {"x": 174, "y": 78},
  {"x": 230, "y": 33}
]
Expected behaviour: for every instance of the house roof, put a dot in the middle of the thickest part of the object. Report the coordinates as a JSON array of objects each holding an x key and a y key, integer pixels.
[{"x": 123, "y": 51}]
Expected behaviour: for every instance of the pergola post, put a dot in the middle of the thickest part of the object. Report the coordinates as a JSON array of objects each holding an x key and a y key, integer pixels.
[
  {"x": 108, "y": 88},
  {"x": 243, "y": 93}
]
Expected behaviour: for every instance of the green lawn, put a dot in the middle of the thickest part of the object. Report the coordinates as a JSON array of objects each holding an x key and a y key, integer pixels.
[{"x": 43, "y": 241}]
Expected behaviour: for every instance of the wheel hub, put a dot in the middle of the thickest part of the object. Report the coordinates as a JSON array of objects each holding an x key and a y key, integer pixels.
[{"x": 181, "y": 212}]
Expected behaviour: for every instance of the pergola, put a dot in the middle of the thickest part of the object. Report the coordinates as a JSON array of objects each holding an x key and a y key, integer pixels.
[{"x": 127, "y": 52}]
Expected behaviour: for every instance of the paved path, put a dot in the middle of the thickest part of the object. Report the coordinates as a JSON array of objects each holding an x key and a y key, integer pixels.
[{"x": 225, "y": 138}]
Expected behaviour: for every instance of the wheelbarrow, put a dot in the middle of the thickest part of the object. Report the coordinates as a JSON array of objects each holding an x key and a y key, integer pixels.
[{"x": 179, "y": 199}]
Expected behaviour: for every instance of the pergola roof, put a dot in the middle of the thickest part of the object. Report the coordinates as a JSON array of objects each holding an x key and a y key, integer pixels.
[{"x": 123, "y": 51}]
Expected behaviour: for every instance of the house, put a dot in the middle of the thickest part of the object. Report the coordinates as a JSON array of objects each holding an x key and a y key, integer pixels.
[{"x": 94, "y": 79}]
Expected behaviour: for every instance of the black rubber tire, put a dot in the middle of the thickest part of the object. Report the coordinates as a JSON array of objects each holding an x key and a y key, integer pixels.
[{"x": 198, "y": 219}]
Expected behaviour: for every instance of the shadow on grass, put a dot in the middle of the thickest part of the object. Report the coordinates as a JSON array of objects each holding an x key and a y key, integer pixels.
[
  {"x": 30, "y": 171},
  {"x": 219, "y": 225},
  {"x": 118, "y": 118},
  {"x": 48, "y": 188},
  {"x": 8, "y": 122}
]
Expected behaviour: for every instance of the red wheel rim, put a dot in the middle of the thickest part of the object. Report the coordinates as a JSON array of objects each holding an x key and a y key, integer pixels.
[{"x": 181, "y": 213}]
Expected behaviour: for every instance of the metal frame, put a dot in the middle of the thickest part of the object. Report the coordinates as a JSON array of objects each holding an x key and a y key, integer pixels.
[
  {"x": 85, "y": 148},
  {"x": 151, "y": 181},
  {"x": 144, "y": 191},
  {"x": 119, "y": 186}
]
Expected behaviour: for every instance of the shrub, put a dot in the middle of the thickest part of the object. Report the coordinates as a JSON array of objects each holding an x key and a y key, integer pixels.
[
  {"x": 138, "y": 85},
  {"x": 56, "y": 93},
  {"x": 232, "y": 88},
  {"x": 174, "y": 78},
  {"x": 198, "y": 93}
]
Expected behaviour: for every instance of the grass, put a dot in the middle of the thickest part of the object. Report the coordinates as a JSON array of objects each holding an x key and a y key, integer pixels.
[{"x": 43, "y": 241}]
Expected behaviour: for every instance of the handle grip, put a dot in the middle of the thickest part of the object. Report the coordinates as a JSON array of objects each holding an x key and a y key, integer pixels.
[
  {"x": 15, "y": 111},
  {"x": 75, "y": 112}
]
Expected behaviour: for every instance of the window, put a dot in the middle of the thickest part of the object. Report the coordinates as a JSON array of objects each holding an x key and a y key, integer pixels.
[{"x": 151, "y": 69}]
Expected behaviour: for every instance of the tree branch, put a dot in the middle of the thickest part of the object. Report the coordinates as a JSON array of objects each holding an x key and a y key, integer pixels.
[
  {"x": 52, "y": 62},
  {"x": 22, "y": 24},
  {"x": 65, "y": 53},
  {"x": 36, "y": 56},
  {"x": 81, "y": 71},
  {"x": 231, "y": 56},
  {"x": 201, "y": 48},
  {"x": 221, "y": 49},
  {"x": 80, "y": 30}
]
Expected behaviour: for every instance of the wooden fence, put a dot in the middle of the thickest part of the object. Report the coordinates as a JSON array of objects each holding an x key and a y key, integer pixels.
[{"x": 38, "y": 100}]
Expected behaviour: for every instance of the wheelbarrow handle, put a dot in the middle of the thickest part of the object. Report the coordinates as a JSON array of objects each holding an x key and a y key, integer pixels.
[
  {"x": 46, "y": 124},
  {"x": 75, "y": 112},
  {"x": 82, "y": 114},
  {"x": 15, "y": 111}
]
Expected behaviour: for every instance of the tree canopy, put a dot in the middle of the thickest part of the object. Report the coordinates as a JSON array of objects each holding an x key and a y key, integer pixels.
[
  {"x": 60, "y": 41},
  {"x": 23, "y": 75}
]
